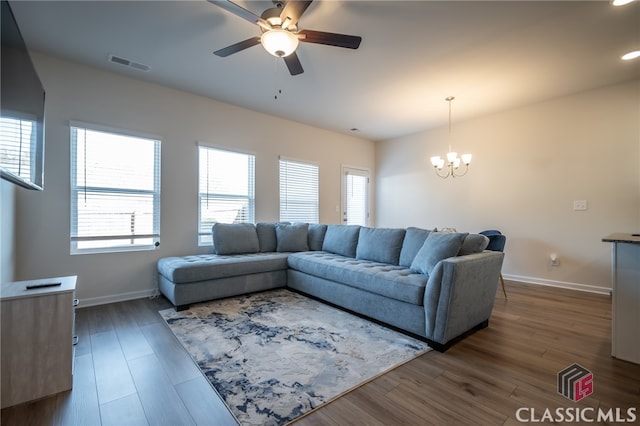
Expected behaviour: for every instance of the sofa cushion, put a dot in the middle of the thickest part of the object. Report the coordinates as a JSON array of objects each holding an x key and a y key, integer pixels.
[
  {"x": 341, "y": 239},
  {"x": 395, "y": 282},
  {"x": 292, "y": 237},
  {"x": 188, "y": 269},
  {"x": 267, "y": 236},
  {"x": 315, "y": 237},
  {"x": 473, "y": 243},
  {"x": 413, "y": 241},
  {"x": 380, "y": 244},
  {"x": 437, "y": 246},
  {"x": 235, "y": 238}
]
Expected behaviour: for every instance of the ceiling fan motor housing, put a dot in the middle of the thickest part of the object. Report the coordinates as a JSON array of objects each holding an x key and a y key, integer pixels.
[{"x": 272, "y": 16}]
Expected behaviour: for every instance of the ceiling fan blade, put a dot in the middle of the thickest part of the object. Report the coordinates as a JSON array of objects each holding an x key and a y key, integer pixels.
[
  {"x": 292, "y": 11},
  {"x": 237, "y": 47},
  {"x": 240, "y": 11},
  {"x": 293, "y": 63},
  {"x": 331, "y": 39}
]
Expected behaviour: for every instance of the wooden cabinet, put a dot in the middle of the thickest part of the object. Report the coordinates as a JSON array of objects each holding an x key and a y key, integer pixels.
[{"x": 37, "y": 339}]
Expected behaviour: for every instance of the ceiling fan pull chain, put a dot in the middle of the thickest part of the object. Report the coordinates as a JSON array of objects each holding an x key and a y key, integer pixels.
[
  {"x": 277, "y": 78},
  {"x": 276, "y": 90}
]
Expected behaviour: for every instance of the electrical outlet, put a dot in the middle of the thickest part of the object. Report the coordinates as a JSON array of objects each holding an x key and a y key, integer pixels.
[
  {"x": 553, "y": 260},
  {"x": 579, "y": 205}
]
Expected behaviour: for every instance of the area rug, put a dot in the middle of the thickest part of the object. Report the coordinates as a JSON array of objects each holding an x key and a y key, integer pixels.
[{"x": 276, "y": 355}]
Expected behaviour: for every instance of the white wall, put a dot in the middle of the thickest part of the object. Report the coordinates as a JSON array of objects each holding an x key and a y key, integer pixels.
[
  {"x": 76, "y": 92},
  {"x": 529, "y": 165}
]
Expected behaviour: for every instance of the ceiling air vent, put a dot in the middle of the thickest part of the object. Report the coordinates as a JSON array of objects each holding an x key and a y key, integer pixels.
[{"x": 127, "y": 63}]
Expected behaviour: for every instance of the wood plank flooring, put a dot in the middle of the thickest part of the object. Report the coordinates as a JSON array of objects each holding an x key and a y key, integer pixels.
[{"x": 130, "y": 370}]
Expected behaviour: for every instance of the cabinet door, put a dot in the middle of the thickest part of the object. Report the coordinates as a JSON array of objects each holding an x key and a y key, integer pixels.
[{"x": 36, "y": 347}]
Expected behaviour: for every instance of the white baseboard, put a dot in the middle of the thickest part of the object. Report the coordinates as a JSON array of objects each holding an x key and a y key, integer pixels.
[
  {"x": 559, "y": 284},
  {"x": 123, "y": 297}
]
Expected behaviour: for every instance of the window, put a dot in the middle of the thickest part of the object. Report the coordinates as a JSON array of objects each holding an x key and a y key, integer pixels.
[
  {"x": 298, "y": 191},
  {"x": 226, "y": 189},
  {"x": 115, "y": 191},
  {"x": 21, "y": 151},
  {"x": 356, "y": 200}
]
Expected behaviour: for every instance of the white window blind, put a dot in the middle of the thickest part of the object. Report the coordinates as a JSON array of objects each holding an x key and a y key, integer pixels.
[
  {"x": 115, "y": 191},
  {"x": 299, "y": 195},
  {"x": 20, "y": 152},
  {"x": 226, "y": 189},
  {"x": 356, "y": 198}
]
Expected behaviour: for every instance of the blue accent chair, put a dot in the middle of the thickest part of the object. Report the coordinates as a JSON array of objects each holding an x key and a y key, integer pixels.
[{"x": 497, "y": 242}]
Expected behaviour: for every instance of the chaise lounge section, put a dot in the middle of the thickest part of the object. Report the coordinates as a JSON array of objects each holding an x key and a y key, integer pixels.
[{"x": 434, "y": 285}]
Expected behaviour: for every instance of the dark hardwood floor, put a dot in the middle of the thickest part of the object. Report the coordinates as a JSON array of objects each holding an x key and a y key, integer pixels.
[{"x": 130, "y": 370}]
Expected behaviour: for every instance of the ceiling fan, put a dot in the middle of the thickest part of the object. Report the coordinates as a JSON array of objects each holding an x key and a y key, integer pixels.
[{"x": 280, "y": 33}]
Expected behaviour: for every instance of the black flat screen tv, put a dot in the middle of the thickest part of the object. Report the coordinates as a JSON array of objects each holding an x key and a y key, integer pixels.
[{"x": 21, "y": 109}]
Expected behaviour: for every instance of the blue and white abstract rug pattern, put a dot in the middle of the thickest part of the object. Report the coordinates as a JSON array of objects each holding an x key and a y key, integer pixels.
[{"x": 276, "y": 355}]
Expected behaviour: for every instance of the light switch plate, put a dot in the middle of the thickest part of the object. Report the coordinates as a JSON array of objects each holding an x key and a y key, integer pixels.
[{"x": 579, "y": 205}]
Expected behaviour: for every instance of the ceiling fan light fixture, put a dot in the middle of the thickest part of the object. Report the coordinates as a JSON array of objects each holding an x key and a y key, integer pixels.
[{"x": 279, "y": 42}]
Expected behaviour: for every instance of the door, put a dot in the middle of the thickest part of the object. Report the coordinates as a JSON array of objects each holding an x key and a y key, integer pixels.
[{"x": 355, "y": 196}]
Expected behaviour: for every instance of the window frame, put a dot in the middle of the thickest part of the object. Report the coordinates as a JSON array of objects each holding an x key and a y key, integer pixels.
[
  {"x": 315, "y": 216},
  {"x": 77, "y": 189},
  {"x": 205, "y": 237}
]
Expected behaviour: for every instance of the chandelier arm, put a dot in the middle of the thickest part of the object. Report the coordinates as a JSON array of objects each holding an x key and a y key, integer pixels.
[
  {"x": 443, "y": 176},
  {"x": 466, "y": 169}
]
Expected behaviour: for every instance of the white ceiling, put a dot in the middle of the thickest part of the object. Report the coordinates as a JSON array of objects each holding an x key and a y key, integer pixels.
[{"x": 491, "y": 56}]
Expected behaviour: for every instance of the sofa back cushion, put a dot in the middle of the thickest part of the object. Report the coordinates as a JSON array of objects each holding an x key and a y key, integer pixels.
[
  {"x": 473, "y": 243},
  {"x": 315, "y": 237},
  {"x": 341, "y": 239},
  {"x": 438, "y": 246},
  {"x": 235, "y": 238},
  {"x": 380, "y": 244},
  {"x": 292, "y": 237},
  {"x": 413, "y": 241},
  {"x": 267, "y": 236}
]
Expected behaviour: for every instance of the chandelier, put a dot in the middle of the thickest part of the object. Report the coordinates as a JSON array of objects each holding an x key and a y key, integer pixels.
[{"x": 453, "y": 161}]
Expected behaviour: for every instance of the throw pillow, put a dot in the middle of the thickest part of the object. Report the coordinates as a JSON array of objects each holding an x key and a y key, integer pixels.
[
  {"x": 413, "y": 240},
  {"x": 316, "y": 236},
  {"x": 267, "y": 236},
  {"x": 235, "y": 238},
  {"x": 292, "y": 237},
  {"x": 437, "y": 246},
  {"x": 380, "y": 244},
  {"x": 474, "y": 243},
  {"x": 341, "y": 239}
]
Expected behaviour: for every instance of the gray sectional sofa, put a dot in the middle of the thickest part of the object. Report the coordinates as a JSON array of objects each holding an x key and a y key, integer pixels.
[{"x": 434, "y": 285}]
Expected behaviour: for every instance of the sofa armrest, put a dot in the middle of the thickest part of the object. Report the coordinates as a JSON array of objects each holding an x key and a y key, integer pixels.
[{"x": 460, "y": 294}]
